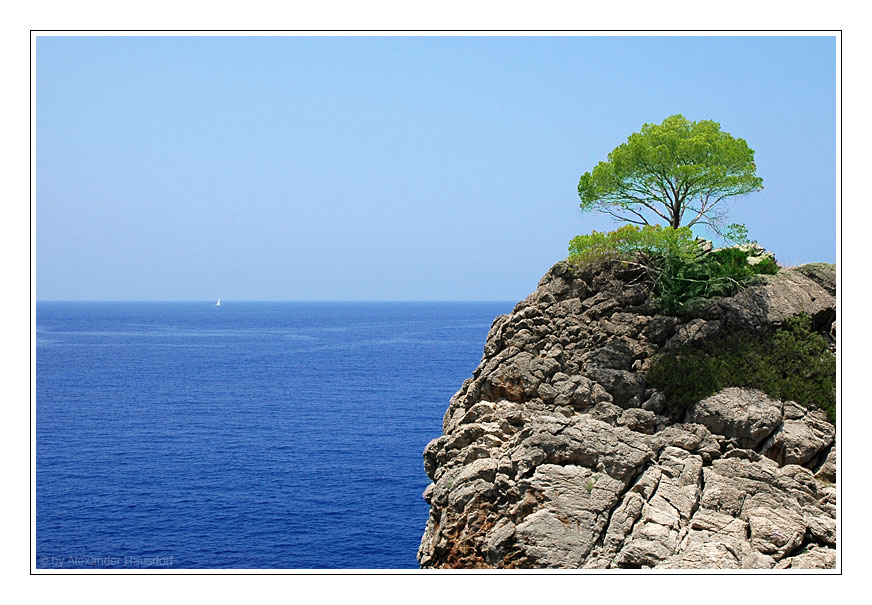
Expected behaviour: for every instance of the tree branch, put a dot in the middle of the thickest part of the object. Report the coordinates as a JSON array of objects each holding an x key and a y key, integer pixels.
[{"x": 624, "y": 218}]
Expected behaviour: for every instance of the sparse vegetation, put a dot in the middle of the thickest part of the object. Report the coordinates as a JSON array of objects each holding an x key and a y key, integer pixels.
[{"x": 681, "y": 269}]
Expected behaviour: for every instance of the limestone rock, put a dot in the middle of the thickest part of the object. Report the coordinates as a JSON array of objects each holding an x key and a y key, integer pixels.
[
  {"x": 574, "y": 501},
  {"x": 824, "y": 274},
  {"x": 827, "y": 471},
  {"x": 639, "y": 420},
  {"x": 747, "y": 415},
  {"x": 557, "y": 453},
  {"x": 779, "y": 297},
  {"x": 693, "y": 331},
  {"x": 797, "y": 441},
  {"x": 811, "y": 558}
]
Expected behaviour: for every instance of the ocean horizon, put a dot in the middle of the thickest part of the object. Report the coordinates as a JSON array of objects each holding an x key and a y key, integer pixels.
[
  {"x": 257, "y": 435},
  {"x": 225, "y": 302}
]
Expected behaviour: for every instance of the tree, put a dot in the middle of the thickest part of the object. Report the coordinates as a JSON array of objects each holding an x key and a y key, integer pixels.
[{"x": 670, "y": 171}]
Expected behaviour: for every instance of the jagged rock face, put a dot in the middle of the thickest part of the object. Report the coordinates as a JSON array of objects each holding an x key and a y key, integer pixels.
[{"x": 556, "y": 453}]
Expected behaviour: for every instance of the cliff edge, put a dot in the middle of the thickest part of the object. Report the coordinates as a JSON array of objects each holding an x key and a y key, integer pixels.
[{"x": 559, "y": 453}]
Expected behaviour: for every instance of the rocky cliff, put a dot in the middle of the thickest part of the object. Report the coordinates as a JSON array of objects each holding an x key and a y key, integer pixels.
[{"x": 558, "y": 453}]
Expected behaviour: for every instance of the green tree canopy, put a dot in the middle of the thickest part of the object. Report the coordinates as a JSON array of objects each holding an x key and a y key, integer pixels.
[{"x": 678, "y": 172}]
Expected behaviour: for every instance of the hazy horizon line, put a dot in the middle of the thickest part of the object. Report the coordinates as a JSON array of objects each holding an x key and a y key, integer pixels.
[{"x": 223, "y": 301}]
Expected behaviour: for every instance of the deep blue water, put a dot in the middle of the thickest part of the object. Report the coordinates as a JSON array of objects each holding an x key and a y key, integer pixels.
[{"x": 254, "y": 435}]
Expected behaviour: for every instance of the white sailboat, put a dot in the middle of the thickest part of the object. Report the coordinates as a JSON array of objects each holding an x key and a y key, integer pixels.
[{"x": 218, "y": 304}]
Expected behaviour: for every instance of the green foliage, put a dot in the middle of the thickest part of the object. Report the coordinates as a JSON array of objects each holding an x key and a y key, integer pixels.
[
  {"x": 790, "y": 363},
  {"x": 628, "y": 241},
  {"x": 671, "y": 169},
  {"x": 736, "y": 234},
  {"x": 720, "y": 273},
  {"x": 681, "y": 271}
]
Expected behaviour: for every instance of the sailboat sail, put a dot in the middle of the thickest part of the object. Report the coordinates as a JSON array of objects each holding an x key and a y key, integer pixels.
[{"x": 218, "y": 304}]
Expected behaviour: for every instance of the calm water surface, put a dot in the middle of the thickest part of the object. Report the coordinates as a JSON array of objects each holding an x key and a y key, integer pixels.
[{"x": 251, "y": 435}]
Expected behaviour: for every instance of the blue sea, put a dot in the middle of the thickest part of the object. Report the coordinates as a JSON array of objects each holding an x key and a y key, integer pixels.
[{"x": 250, "y": 435}]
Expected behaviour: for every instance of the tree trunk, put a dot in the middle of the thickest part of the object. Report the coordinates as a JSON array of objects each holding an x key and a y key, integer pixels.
[{"x": 675, "y": 212}]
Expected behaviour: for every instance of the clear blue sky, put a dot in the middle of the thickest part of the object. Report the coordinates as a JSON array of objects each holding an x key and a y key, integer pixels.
[{"x": 361, "y": 168}]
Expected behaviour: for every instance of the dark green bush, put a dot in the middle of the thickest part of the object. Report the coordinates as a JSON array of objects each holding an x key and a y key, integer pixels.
[{"x": 790, "y": 363}]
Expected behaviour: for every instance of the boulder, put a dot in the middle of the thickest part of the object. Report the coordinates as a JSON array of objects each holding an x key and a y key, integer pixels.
[
  {"x": 777, "y": 298},
  {"x": 813, "y": 557},
  {"x": 824, "y": 274},
  {"x": 625, "y": 387},
  {"x": 827, "y": 470},
  {"x": 798, "y": 441},
  {"x": 639, "y": 420},
  {"x": 747, "y": 416}
]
